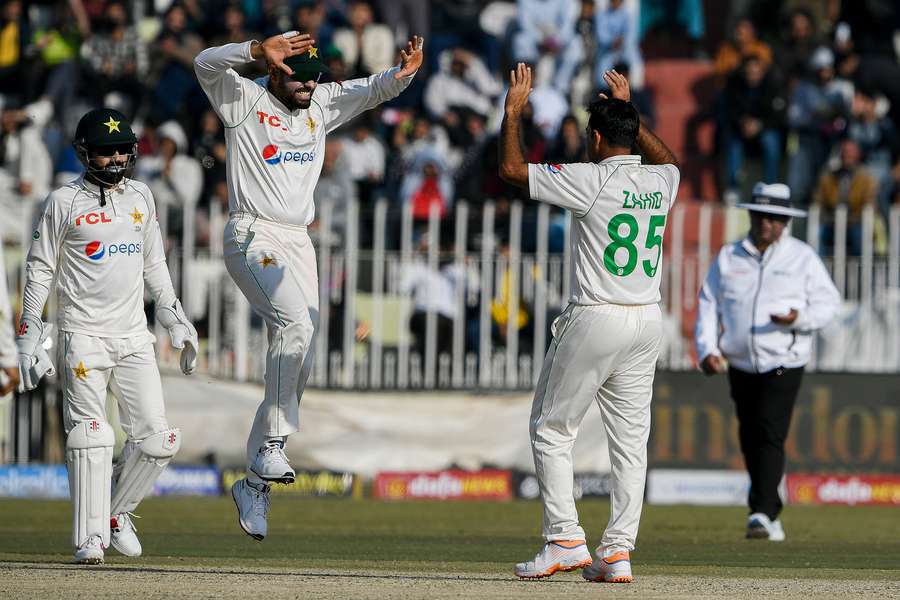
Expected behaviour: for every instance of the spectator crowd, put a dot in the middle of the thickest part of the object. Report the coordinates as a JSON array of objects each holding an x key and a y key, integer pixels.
[
  {"x": 810, "y": 88},
  {"x": 815, "y": 97}
]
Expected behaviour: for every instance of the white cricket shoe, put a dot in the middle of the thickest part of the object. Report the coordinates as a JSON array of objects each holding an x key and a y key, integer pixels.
[
  {"x": 610, "y": 569},
  {"x": 123, "y": 535},
  {"x": 253, "y": 508},
  {"x": 561, "y": 555},
  {"x": 760, "y": 527},
  {"x": 271, "y": 464},
  {"x": 90, "y": 552}
]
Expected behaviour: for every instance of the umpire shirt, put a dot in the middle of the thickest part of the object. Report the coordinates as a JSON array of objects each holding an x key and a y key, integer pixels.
[{"x": 742, "y": 291}]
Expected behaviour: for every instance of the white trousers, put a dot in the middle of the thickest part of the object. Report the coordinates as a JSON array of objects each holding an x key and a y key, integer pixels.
[
  {"x": 607, "y": 354},
  {"x": 274, "y": 265},
  {"x": 128, "y": 366}
]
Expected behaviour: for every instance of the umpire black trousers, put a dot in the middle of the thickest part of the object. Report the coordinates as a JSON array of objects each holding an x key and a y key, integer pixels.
[{"x": 764, "y": 403}]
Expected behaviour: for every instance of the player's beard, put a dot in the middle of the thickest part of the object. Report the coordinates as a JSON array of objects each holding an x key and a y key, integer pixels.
[
  {"x": 301, "y": 98},
  {"x": 294, "y": 97}
]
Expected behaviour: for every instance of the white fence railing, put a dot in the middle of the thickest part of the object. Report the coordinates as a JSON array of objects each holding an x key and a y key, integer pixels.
[
  {"x": 491, "y": 284},
  {"x": 503, "y": 286}
]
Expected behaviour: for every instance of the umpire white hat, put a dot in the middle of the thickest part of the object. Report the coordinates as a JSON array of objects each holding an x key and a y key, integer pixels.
[{"x": 772, "y": 198}]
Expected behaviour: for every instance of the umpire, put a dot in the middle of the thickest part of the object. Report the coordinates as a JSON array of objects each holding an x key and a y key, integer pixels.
[{"x": 762, "y": 299}]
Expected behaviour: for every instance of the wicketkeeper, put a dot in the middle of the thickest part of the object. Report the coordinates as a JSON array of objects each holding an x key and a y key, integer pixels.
[{"x": 99, "y": 238}]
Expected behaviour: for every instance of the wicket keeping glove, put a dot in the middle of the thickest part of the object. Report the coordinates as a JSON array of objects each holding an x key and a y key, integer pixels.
[
  {"x": 32, "y": 342},
  {"x": 182, "y": 334}
]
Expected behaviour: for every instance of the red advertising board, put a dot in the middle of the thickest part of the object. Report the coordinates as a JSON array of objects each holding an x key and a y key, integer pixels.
[
  {"x": 844, "y": 489},
  {"x": 445, "y": 485}
]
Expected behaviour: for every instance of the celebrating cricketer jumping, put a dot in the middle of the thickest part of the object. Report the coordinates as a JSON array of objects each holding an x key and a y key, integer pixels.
[{"x": 275, "y": 137}]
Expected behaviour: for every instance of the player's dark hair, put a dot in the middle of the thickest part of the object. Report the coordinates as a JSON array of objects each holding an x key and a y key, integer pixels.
[{"x": 616, "y": 120}]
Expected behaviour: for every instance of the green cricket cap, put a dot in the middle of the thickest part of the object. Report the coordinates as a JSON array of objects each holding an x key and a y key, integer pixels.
[
  {"x": 308, "y": 65},
  {"x": 104, "y": 127}
]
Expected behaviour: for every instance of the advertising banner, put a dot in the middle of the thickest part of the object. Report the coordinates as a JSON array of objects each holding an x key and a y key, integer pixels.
[
  {"x": 843, "y": 423},
  {"x": 52, "y": 481},
  {"x": 179, "y": 480},
  {"x": 307, "y": 483},
  {"x": 844, "y": 489},
  {"x": 34, "y": 481},
  {"x": 704, "y": 488},
  {"x": 587, "y": 485},
  {"x": 487, "y": 484}
]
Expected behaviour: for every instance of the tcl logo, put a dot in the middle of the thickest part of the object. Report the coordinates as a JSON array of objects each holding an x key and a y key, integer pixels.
[
  {"x": 271, "y": 120},
  {"x": 92, "y": 218}
]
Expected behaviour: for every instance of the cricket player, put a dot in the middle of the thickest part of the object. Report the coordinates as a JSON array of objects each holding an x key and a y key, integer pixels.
[
  {"x": 605, "y": 343},
  {"x": 275, "y": 136},
  {"x": 99, "y": 239}
]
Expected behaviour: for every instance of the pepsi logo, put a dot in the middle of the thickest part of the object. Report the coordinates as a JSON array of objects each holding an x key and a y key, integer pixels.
[
  {"x": 271, "y": 154},
  {"x": 95, "y": 250}
]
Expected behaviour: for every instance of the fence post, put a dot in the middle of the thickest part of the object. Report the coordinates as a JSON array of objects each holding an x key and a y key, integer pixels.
[
  {"x": 378, "y": 263},
  {"x": 325, "y": 282},
  {"x": 406, "y": 234},
  {"x": 812, "y": 227},
  {"x": 214, "y": 335},
  {"x": 513, "y": 284},
  {"x": 434, "y": 247},
  {"x": 893, "y": 277},
  {"x": 462, "y": 273},
  {"x": 867, "y": 265},
  {"x": 487, "y": 264},
  {"x": 351, "y": 265},
  {"x": 840, "y": 249}
]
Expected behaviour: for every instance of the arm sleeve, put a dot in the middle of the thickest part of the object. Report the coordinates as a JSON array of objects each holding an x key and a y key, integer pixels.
[
  {"x": 345, "y": 100},
  {"x": 706, "y": 330},
  {"x": 43, "y": 258},
  {"x": 156, "y": 273},
  {"x": 574, "y": 186},
  {"x": 231, "y": 95},
  {"x": 7, "y": 338},
  {"x": 822, "y": 298}
]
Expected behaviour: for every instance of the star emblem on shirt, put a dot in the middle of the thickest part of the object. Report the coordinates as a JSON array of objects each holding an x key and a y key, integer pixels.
[
  {"x": 314, "y": 52},
  {"x": 136, "y": 216},
  {"x": 311, "y": 124},
  {"x": 113, "y": 125},
  {"x": 265, "y": 261},
  {"x": 80, "y": 371}
]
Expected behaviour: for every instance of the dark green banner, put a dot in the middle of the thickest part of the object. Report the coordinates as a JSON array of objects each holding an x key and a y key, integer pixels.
[{"x": 842, "y": 423}]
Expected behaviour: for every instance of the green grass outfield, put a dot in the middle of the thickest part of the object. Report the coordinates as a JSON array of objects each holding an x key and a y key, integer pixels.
[{"x": 836, "y": 543}]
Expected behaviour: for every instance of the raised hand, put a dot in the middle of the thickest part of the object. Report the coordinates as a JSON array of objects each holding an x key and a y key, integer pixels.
[
  {"x": 284, "y": 45},
  {"x": 519, "y": 89},
  {"x": 618, "y": 85},
  {"x": 411, "y": 57}
]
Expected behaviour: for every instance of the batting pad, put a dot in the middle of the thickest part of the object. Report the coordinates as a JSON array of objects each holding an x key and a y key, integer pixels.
[
  {"x": 142, "y": 467},
  {"x": 89, "y": 449}
]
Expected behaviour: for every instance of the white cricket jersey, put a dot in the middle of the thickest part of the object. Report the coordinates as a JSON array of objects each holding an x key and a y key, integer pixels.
[
  {"x": 99, "y": 256},
  {"x": 620, "y": 208},
  {"x": 274, "y": 155},
  {"x": 742, "y": 291}
]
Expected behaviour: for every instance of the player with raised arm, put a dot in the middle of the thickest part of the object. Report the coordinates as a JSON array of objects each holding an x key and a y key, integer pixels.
[
  {"x": 275, "y": 139},
  {"x": 99, "y": 239},
  {"x": 606, "y": 342}
]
